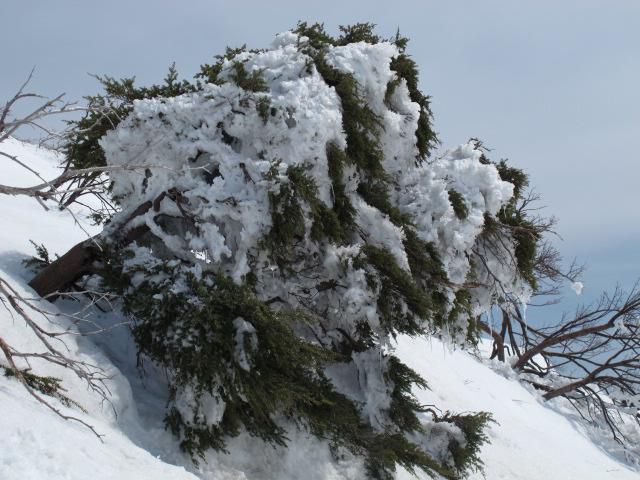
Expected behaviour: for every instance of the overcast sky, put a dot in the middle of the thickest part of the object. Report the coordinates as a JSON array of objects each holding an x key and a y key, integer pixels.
[{"x": 552, "y": 85}]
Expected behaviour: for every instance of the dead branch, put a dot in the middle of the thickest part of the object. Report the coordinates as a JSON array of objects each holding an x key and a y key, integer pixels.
[
  {"x": 53, "y": 348},
  {"x": 592, "y": 359},
  {"x": 54, "y": 352}
]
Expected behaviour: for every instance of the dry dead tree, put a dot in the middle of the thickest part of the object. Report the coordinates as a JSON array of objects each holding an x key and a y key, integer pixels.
[
  {"x": 59, "y": 277},
  {"x": 591, "y": 358}
]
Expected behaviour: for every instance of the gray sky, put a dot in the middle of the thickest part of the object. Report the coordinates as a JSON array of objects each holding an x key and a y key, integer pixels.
[{"x": 552, "y": 85}]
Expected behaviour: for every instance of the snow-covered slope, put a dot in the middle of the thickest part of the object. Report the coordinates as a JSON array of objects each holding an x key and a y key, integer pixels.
[
  {"x": 37, "y": 444},
  {"x": 530, "y": 441}
]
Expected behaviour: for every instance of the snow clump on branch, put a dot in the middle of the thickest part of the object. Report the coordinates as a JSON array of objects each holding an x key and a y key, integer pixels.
[{"x": 295, "y": 188}]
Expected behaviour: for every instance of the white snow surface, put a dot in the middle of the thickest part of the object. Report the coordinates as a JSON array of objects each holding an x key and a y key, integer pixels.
[
  {"x": 529, "y": 441},
  {"x": 37, "y": 444}
]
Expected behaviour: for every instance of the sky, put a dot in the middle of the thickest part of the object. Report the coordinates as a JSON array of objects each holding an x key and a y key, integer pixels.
[{"x": 551, "y": 85}]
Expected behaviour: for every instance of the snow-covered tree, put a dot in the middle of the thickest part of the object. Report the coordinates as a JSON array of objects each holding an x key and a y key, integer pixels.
[{"x": 290, "y": 223}]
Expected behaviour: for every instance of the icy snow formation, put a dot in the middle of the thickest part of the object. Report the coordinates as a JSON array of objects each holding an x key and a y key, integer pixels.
[
  {"x": 223, "y": 156},
  {"x": 226, "y": 184}
]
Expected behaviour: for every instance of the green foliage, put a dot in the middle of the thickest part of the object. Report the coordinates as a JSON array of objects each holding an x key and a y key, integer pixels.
[
  {"x": 524, "y": 234},
  {"x": 195, "y": 339},
  {"x": 345, "y": 213},
  {"x": 316, "y": 34},
  {"x": 404, "y": 404},
  {"x": 319, "y": 38},
  {"x": 263, "y": 107},
  {"x": 427, "y": 271},
  {"x": 252, "y": 82},
  {"x": 462, "y": 308},
  {"x": 40, "y": 260},
  {"x": 302, "y": 183},
  {"x": 50, "y": 386},
  {"x": 517, "y": 177},
  {"x": 288, "y": 226},
  {"x": 522, "y": 228},
  {"x": 459, "y": 206},
  {"x": 210, "y": 73},
  {"x": 526, "y": 238},
  {"x": 400, "y": 41},
  {"x": 393, "y": 448},
  {"x": 376, "y": 194},
  {"x": 106, "y": 111},
  {"x": 361, "y": 125},
  {"x": 360, "y": 32},
  {"x": 396, "y": 288},
  {"x": 466, "y": 457},
  {"x": 192, "y": 330},
  {"x": 326, "y": 224},
  {"x": 406, "y": 68},
  {"x": 339, "y": 421},
  {"x": 423, "y": 258}
]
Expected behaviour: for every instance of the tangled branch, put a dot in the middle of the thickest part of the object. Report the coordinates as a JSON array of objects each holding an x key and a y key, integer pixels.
[{"x": 54, "y": 351}]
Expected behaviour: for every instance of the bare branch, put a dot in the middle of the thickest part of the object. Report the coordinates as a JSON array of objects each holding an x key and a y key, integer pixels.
[{"x": 55, "y": 353}]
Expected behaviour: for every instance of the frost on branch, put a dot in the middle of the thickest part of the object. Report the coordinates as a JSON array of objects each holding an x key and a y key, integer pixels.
[{"x": 289, "y": 225}]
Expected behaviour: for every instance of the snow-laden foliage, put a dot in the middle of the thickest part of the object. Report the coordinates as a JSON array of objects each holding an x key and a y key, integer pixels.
[
  {"x": 531, "y": 439},
  {"x": 293, "y": 225}
]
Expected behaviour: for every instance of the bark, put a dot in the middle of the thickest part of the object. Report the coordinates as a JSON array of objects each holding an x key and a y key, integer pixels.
[
  {"x": 67, "y": 269},
  {"x": 82, "y": 259},
  {"x": 498, "y": 342},
  {"x": 559, "y": 339}
]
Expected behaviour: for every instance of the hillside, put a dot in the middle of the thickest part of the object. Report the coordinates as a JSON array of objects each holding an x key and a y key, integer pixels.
[{"x": 528, "y": 441}]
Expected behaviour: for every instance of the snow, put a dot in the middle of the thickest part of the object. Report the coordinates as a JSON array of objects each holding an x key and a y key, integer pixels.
[
  {"x": 424, "y": 194},
  {"x": 242, "y": 328},
  {"x": 530, "y": 440},
  {"x": 577, "y": 287},
  {"x": 38, "y": 444},
  {"x": 381, "y": 232},
  {"x": 183, "y": 140}
]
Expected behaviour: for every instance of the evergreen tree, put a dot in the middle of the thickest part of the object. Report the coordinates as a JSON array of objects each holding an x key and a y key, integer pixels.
[{"x": 289, "y": 225}]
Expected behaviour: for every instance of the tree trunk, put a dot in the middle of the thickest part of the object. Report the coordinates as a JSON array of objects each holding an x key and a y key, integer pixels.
[
  {"x": 81, "y": 259},
  {"x": 67, "y": 269}
]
